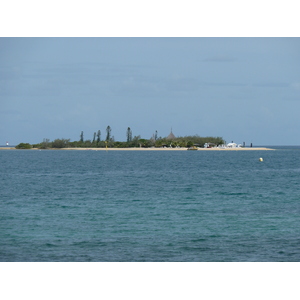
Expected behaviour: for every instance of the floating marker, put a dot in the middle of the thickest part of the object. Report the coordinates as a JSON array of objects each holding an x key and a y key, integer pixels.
[{"x": 261, "y": 159}]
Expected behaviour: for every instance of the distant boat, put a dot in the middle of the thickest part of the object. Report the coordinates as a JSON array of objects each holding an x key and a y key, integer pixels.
[
  {"x": 7, "y": 144},
  {"x": 192, "y": 148}
]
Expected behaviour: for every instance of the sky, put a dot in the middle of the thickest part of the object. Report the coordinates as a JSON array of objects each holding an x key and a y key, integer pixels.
[{"x": 241, "y": 89}]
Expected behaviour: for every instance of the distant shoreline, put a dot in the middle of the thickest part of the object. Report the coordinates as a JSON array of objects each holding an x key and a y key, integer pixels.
[{"x": 149, "y": 149}]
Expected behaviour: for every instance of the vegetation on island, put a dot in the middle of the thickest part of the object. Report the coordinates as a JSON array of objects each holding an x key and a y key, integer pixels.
[
  {"x": 24, "y": 146},
  {"x": 131, "y": 141}
]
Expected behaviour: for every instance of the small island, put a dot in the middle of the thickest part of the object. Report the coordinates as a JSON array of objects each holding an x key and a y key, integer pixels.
[{"x": 171, "y": 142}]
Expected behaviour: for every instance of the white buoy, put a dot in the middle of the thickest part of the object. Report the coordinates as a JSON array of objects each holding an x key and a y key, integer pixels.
[{"x": 261, "y": 159}]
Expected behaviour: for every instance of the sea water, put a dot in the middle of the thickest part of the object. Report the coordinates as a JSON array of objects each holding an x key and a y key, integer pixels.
[{"x": 190, "y": 206}]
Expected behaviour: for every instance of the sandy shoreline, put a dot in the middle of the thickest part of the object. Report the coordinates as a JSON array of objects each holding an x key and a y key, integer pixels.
[{"x": 149, "y": 149}]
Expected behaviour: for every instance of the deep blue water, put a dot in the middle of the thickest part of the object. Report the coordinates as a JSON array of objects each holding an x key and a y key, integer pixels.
[{"x": 150, "y": 206}]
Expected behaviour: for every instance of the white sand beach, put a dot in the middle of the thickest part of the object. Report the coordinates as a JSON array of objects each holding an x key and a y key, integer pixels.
[
  {"x": 166, "y": 149},
  {"x": 149, "y": 149}
]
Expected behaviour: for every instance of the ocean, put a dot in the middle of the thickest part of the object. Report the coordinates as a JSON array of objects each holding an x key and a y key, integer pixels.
[{"x": 150, "y": 206}]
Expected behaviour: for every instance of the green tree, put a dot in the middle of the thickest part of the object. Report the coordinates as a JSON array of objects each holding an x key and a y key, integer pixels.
[
  {"x": 144, "y": 143},
  {"x": 87, "y": 144},
  {"x": 135, "y": 141},
  {"x": 81, "y": 136},
  {"x": 23, "y": 146},
  {"x": 98, "y": 136},
  {"x": 189, "y": 144},
  {"x": 108, "y": 133},
  {"x": 60, "y": 143},
  {"x": 45, "y": 144},
  {"x": 129, "y": 135}
]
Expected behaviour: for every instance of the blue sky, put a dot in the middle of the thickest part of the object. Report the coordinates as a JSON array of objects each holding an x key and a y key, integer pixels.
[{"x": 242, "y": 89}]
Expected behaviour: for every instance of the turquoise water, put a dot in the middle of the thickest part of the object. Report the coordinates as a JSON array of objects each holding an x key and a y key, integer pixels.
[{"x": 150, "y": 206}]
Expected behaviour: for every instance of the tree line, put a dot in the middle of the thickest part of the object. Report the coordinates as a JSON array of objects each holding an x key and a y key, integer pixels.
[{"x": 131, "y": 141}]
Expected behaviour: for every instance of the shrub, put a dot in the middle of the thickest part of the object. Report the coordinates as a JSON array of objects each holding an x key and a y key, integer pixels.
[
  {"x": 23, "y": 146},
  {"x": 60, "y": 143}
]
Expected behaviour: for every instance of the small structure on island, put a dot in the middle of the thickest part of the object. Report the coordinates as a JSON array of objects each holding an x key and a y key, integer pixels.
[
  {"x": 233, "y": 145},
  {"x": 171, "y": 136},
  {"x": 209, "y": 145}
]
